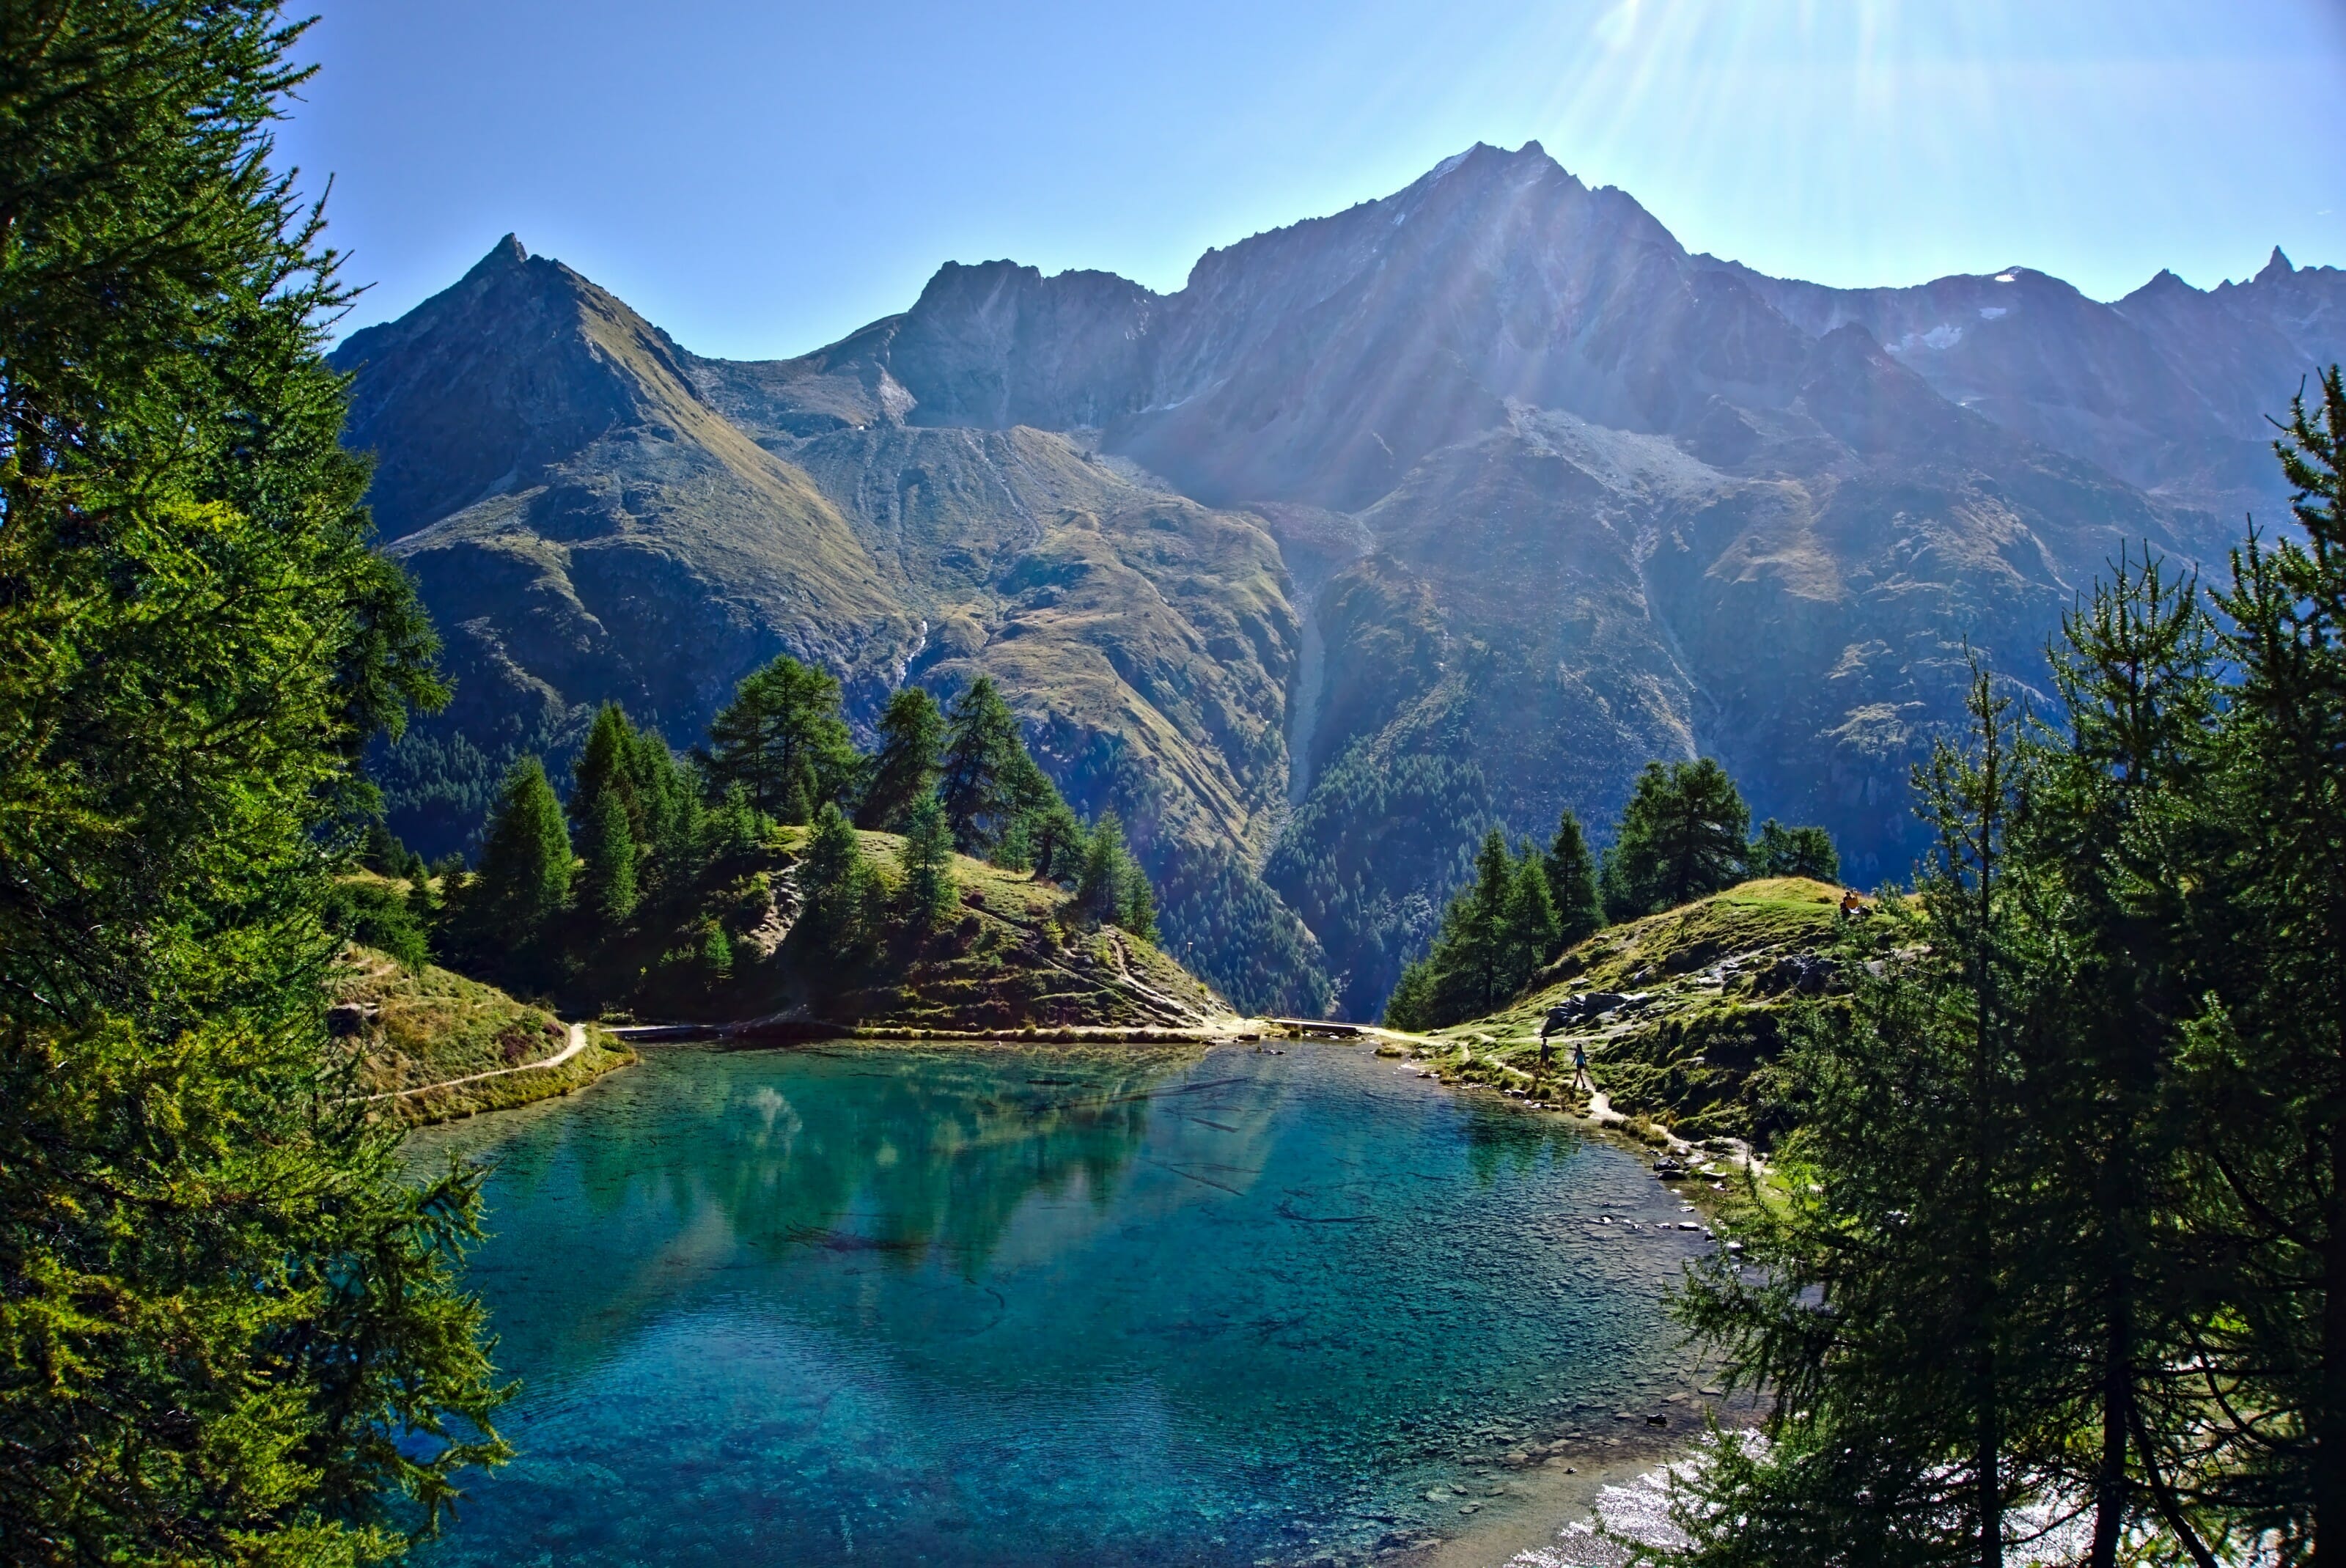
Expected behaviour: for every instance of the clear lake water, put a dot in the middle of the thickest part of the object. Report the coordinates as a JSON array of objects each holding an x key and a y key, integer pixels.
[{"x": 1010, "y": 1306}]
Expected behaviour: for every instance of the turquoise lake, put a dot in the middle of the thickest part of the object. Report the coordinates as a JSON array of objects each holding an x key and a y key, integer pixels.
[{"x": 900, "y": 1305}]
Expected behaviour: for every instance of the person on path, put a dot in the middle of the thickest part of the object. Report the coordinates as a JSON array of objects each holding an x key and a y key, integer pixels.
[
  {"x": 1558, "y": 1017},
  {"x": 1580, "y": 1078}
]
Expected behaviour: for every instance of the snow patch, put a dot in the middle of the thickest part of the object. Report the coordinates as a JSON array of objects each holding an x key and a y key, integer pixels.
[{"x": 1990, "y": 312}]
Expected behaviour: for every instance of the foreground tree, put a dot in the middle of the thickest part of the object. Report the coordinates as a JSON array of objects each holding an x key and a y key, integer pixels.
[
  {"x": 1884, "y": 1300},
  {"x": 2115, "y": 1011},
  {"x": 1681, "y": 839},
  {"x": 2268, "y": 1064},
  {"x": 231, "y": 1330}
]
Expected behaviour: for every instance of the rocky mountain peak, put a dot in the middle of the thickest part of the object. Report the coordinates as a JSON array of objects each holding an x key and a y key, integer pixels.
[
  {"x": 2276, "y": 268},
  {"x": 2165, "y": 285},
  {"x": 507, "y": 253},
  {"x": 519, "y": 364}
]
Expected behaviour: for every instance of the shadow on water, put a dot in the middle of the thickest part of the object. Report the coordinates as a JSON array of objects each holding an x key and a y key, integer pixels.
[{"x": 1038, "y": 1307}]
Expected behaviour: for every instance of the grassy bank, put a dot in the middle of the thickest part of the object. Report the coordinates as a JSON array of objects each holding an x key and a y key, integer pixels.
[
  {"x": 1707, "y": 990},
  {"x": 425, "y": 1036}
]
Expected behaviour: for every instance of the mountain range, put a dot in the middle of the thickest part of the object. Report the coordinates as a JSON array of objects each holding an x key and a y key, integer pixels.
[{"x": 1445, "y": 512}]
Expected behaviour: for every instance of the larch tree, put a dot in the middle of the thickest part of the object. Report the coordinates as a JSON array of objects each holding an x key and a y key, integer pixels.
[
  {"x": 980, "y": 767},
  {"x": 781, "y": 738},
  {"x": 1780, "y": 852},
  {"x": 929, "y": 889},
  {"x": 232, "y": 1329},
  {"x": 1681, "y": 838},
  {"x": 907, "y": 766},
  {"x": 1571, "y": 883}
]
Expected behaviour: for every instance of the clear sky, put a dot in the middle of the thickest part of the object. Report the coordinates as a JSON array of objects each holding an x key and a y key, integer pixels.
[{"x": 761, "y": 178}]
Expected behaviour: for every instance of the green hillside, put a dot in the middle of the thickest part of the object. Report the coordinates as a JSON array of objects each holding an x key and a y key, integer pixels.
[
  {"x": 1015, "y": 954},
  {"x": 433, "y": 1044},
  {"x": 1708, "y": 991}
]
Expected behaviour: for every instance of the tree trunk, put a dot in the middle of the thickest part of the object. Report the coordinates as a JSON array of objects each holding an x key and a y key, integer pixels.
[
  {"x": 2110, "y": 1491},
  {"x": 2330, "y": 1419},
  {"x": 1989, "y": 1484}
]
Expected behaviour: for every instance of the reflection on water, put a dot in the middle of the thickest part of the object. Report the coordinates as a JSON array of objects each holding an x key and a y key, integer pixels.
[{"x": 1037, "y": 1307}]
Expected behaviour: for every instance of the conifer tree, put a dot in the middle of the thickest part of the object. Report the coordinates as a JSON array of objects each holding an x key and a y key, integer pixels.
[
  {"x": 511, "y": 909},
  {"x": 2114, "y": 1012},
  {"x": 980, "y": 769},
  {"x": 781, "y": 739},
  {"x": 605, "y": 764},
  {"x": 1099, "y": 887},
  {"x": 666, "y": 814},
  {"x": 1780, "y": 852},
  {"x": 1484, "y": 964},
  {"x": 1015, "y": 849},
  {"x": 1895, "y": 1307},
  {"x": 908, "y": 764},
  {"x": 836, "y": 882},
  {"x": 715, "y": 952},
  {"x": 1055, "y": 843},
  {"x": 1410, "y": 1005},
  {"x": 1136, "y": 909},
  {"x": 2267, "y": 1066},
  {"x": 607, "y": 889},
  {"x": 1472, "y": 960},
  {"x": 2121, "y": 841},
  {"x": 1681, "y": 838},
  {"x": 1532, "y": 934},
  {"x": 929, "y": 893},
  {"x": 1572, "y": 883},
  {"x": 224, "y": 1296}
]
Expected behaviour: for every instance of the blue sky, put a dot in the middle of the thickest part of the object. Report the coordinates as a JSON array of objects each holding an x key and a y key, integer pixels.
[{"x": 762, "y": 179}]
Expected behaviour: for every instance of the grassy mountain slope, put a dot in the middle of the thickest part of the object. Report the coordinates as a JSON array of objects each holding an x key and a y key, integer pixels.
[
  {"x": 1708, "y": 991},
  {"x": 1014, "y": 952},
  {"x": 1146, "y": 640},
  {"x": 584, "y": 529}
]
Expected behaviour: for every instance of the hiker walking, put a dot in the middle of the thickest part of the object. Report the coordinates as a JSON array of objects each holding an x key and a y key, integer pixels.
[{"x": 1558, "y": 1017}]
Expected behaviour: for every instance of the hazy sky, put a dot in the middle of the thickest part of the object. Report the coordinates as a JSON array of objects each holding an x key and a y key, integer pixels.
[{"x": 762, "y": 179}]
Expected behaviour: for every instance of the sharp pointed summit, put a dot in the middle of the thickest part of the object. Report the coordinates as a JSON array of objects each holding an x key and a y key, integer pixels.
[{"x": 505, "y": 254}]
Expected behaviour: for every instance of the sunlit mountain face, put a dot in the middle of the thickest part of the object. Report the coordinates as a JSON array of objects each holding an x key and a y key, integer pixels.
[{"x": 1447, "y": 511}]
